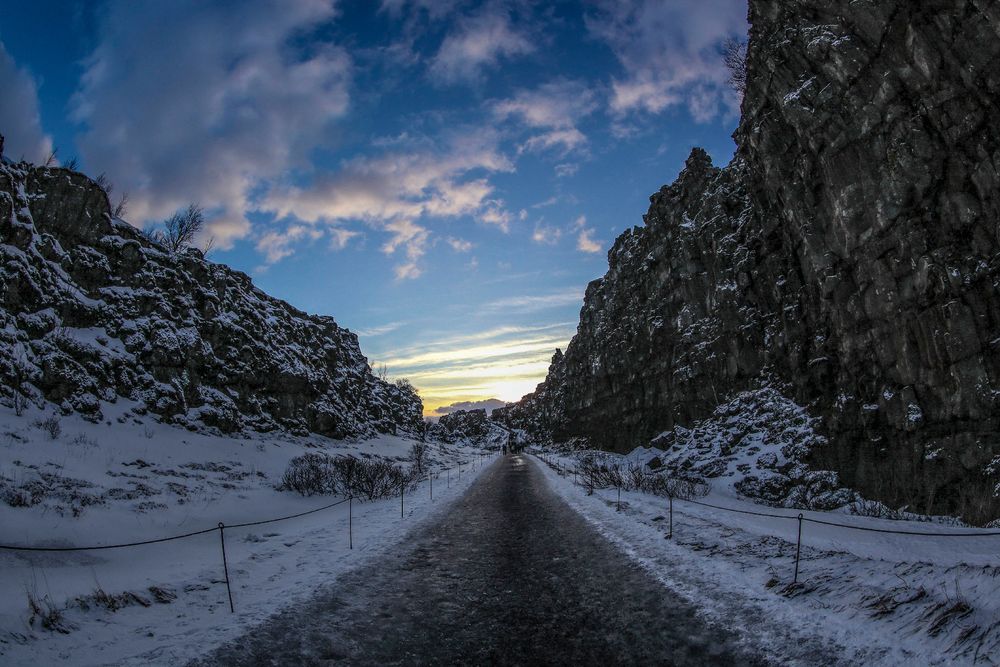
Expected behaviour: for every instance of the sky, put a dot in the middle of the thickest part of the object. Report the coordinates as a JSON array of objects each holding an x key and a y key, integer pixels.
[{"x": 442, "y": 177}]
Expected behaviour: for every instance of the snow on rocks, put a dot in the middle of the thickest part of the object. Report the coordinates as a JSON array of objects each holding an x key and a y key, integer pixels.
[{"x": 91, "y": 311}]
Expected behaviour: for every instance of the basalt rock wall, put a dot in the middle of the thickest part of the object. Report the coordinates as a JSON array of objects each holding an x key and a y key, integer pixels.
[
  {"x": 849, "y": 256},
  {"x": 92, "y": 312}
]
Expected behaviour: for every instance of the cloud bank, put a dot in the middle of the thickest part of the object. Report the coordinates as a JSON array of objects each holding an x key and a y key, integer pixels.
[
  {"x": 20, "y": 122},
  {"x": 190, "y": 101}
]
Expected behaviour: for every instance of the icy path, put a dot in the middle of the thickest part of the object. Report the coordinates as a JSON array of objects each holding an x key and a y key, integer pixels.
[{"x": 510, "y": 575}]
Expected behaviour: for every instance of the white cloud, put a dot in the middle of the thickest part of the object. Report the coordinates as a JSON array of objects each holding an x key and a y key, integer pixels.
[
  {"x": 551, "y": 201},
  {"x": 380, "y": 330},
  {"x": 190, "y": 101},
  {"x": 476, "y": 43},
  {"x": 670, "y": 53},
  {"x": 566, "y": 169},
  {"x": 495, "y": 214},
  {"x": 20, "y": 122},
  {"x": 459, "y": 245},
  {"x": 534, "y": 303},
  {"x": 546, "y": 235},
  {"x": 434, "y": 8},
  {"x": 555, "y": 107},
  {"x": 586, "y": 243},
  {"x": 393, "y": 191},
  {"x": 276, "y": 245},
  {"x": 339, "y": 237}
]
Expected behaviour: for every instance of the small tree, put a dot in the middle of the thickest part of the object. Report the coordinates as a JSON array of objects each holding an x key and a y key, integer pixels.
[
  {"x": 180, "y": 230},
  {"x": 405, "y": 385},
  {"x": 121, "y": 207},
  {"x": 104, "y": 183},
  {"x": 734, "y": 54}
]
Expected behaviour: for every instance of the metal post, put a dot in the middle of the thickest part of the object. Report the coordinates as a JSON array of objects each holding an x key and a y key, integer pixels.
[
  {"x": 402, "y": 485},
  {"x": 448, "y": 478},
  {"x": 798, "y": 550},
  {"x": 430, "y": 478},
  {"x": 225, "y": 566},
  {"x": 350, "y": 522},
  {"x": 619, "y": 497},
  {"x": 670, "y": 529}
]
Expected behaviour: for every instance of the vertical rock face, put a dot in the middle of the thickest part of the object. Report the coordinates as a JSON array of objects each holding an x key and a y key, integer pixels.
[
  {"x": 849, "y": 255},
  {"x": 91, "y": 312}
]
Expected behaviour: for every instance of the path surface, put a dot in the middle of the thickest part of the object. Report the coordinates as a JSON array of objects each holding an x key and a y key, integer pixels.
[{"x": 509, "y": 574}]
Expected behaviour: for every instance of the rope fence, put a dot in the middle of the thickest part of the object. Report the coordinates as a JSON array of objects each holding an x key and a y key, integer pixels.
[
  {"x": 801, "y": 518},
  {"x": 221, "y": 527}
]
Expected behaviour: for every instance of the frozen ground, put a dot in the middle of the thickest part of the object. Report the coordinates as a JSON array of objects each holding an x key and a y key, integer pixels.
[
  {"x": 121, "y": 482},
  {"x": 883, "y": 599}
]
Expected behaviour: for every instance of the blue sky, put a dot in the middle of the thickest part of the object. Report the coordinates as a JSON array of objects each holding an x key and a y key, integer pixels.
[{"x": 442, "y": 177}]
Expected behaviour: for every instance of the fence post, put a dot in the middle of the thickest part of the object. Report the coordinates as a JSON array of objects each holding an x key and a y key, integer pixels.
[
  {"x": 350, "y": 522},
  {"x": 448, "y": 478},
  {"x": 402, "y": 488},
  {"x": 225, "y": 566},
  {"x": 430, "y": 477},
  {"x": 619, "y": 498},
  {"x": 798, "y": 550},
  {"x": 670, "y": 528}
]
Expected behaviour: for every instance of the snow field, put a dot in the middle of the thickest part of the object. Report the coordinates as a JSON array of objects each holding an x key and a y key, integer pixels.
[{"x": 195, "y": 480}]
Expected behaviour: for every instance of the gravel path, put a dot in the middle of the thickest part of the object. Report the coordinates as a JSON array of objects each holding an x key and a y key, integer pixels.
[{"x": 509, "y": 574}]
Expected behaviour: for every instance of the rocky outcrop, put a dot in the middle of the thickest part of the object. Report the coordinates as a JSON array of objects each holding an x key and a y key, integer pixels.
[
  {"x": 848, "y": 257},
  {"x": 473, "y": 427},
  {"x": 92, "y": 312}
]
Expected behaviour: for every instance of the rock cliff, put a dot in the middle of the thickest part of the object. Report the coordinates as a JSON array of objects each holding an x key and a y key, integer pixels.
[
  {"x": 848, "y": 257},
  {"x": 91, "y": 311}
]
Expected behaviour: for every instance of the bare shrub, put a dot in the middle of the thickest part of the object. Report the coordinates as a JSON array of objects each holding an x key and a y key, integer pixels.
[
  {"x": 604, "y": 474},
  {"x": 875, "y": 510},
  {"x": 307, "y": 474},
  {"x": 47, "y": 614},
  {"x": 104, "y": 183},
  {"x": 121, "y": 207},
  {"x": 320, "y": 474},
  {"x": 82, "y": 441},
  {"x": 50, "y": 426},
  {"x": 418, "y": 454},
  {"x": 179, "y": 230},
  {"x": 734, "y": 54}
]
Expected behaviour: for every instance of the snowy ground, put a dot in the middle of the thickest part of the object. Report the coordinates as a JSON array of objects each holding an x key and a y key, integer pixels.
[
  {"x": 885, "y": 599},
  {"x": 121, "y": 482}
]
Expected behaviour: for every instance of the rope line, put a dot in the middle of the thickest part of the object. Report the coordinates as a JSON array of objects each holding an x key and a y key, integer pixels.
[
  {"x": 109, "y": 546},
  {"x": 8, "y": 547},
  {"x": 290, "y": 516},
  {"x": 247, "y": 524},
  {"x": 867, "y": 529},
  {"x": 902, "y": 532},
  {"x": 730, "y": 509}
]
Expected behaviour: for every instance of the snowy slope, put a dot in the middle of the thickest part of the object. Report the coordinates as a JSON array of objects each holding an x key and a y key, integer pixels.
[{"x": 112, "y": 483}]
